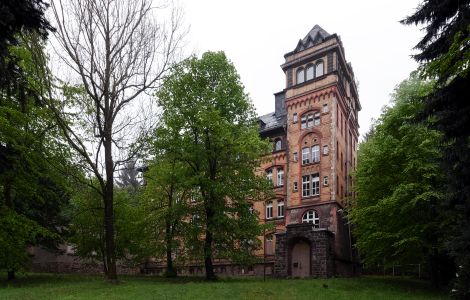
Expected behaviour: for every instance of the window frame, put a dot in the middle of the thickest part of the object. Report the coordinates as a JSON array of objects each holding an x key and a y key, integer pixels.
[
  {"x": 299, "y": 71},
  {"x": 269, "y": 175},
  {"x": 311, "y": 217},
  {"x": 306, "y": 156},
  {"x": 279, "y": 177},
  {"x": 306, "y": 186},
  {"x": 315, "y": 150},
  {"x": 317, "y": 65},
  {"x": 269, "y": 210},
  {"x": 312, "y": 67},
  {"x": 280, "y": 208}
]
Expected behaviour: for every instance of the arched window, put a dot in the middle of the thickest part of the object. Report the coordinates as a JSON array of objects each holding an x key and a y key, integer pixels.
[
  {"x": 300, "y": 75},
  {"x": 311, "y": 217},
  {"x": 310, "y": 72},
  {"x": 319, "y": 69},
  {"x": 278, "y": 145}
]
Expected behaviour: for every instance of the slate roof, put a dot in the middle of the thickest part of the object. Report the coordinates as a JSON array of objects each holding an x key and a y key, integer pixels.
[
  {"x": 316, "y": 35},
  {"x": 271, "y": 121}
]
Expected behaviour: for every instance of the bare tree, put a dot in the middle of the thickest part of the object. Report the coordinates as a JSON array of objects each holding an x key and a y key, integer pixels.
[{"x": 119, "y": 50}]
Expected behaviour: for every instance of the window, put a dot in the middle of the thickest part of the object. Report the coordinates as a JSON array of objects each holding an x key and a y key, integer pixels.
[
  {"x": 295, "y": 118},
  {"x": 300, "y": 76},
  {"x": 325, "y": 150},
  {"x": 280, "y": 209},
  {"x": 296, "y": 187},
  {"x": 325, "y": 108},
  {"x": 311, "y": 217},
  {"x": 319, "y": 69},
  {"x": 280, "y": 177},
  {"x": 303, "y": 122},
  {"x": 310, "y": 72},
  {"x": 310, "y": 120},
  {"x": 305, "y": 156},
  {"x": 315, "y": 185},
  {"x": 325, "y": 180},
  {"x": 269, "y": 210},
  {"x": 316, "y": 119},
  {"x": 310, "y": 185},
  {"x": 296, "y": 156},
  {"x": 306, "y": 186},
  {"x": 316, "y": 153},
  {"x": 277, "y": 145},
  {"x": 269, "y": 175}
]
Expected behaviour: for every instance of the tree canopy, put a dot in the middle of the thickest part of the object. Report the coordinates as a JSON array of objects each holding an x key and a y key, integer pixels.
[{"x": 210, "y": 125}]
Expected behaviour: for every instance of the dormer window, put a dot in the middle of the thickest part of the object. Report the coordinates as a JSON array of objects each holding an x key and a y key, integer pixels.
[{"x": 300, "y": 76}]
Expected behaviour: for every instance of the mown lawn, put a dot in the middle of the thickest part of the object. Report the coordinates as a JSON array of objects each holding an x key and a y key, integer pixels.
[{"x": 48, "y": 286}]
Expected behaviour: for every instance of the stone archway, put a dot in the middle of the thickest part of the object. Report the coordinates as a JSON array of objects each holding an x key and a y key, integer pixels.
[{"x": 300, "y": 259}]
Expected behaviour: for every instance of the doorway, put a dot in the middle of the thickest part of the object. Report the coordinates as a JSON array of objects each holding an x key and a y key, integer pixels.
[{"x": 300, "y": 259}]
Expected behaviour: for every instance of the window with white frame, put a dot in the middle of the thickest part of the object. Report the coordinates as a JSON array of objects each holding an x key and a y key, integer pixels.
[
  {"x": 280, "y": 209},
  {"x": 295, "y": 118},
  {"x": 310, "y": 120},
  {"x": 280, "y": 177},
  {"x": 325, "y": 180},
  {"x": 269, "y": 210},
  {"x": 300, "y": 76},
  {"x": 305, "y": 156},
  {"x": 306, "y": 186},
  {"x": 303, "y": 122},
  {"x": 311, "y": 216},
  {"x": 310, "y": 73},
  {"x": 315, "y": 185},
  {"x": 296, "y": 156},
  {"x": 316, "y": 119},
  {"x": 316, "y": 153},
  {"x": 296, "y": 187},
  {"x": 269, "y": 175},
  {"x": 310, "y": 185},
  {"x": 319, "y": 69},
  {"x": 325, "y": 150}
]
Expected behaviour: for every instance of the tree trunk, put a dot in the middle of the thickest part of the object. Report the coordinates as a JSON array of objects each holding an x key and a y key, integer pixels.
[
  {"x": 109, "y": 211},
  {"x": 11, "y": 275},
  {"x": 210, "y": 275},
  {"x": 170, "y": 269}
]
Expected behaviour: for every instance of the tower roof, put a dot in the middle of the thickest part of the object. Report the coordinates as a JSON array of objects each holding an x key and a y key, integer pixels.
[{"x": 316, "y": 35}]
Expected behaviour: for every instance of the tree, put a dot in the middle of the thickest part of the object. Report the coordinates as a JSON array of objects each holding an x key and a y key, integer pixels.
[
  {"x": 212, "y": 128},
  {"x": 445, "y": 56},
  {"x": 119, "y": 51},
  {"x": 165, "y": 200},
  {"x": 397, "y": 215},
  {"x": 33, "y": 190}
]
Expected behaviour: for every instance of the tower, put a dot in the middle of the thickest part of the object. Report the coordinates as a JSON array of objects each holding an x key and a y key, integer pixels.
[{"x": 314, "y": 131}]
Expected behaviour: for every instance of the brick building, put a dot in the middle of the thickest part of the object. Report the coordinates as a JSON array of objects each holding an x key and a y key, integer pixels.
[{"x": 314, "y": 130}]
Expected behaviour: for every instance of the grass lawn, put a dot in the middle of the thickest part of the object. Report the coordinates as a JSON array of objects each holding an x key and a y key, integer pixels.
[{"x": 49, "y": 286}]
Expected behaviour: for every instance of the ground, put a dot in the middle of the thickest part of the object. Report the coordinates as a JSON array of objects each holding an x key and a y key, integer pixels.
[{"x": 48, "y": 286}]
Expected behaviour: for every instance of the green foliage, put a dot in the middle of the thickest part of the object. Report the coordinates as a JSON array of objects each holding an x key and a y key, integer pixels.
[
  {"x": 86, "y": 213},
  {"x": 16, "y": 233},
  {"x": 210, "y": 125},
  {"x": 445, "y": 54},
  {"x": 399, "y": 184}
]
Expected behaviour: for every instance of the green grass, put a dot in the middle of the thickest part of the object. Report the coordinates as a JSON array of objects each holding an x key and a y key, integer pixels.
[{"x": 49, "y": 286}]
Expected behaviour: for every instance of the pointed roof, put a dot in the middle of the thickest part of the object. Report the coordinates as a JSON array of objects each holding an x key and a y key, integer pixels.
[{"x": 316, "y": 35}]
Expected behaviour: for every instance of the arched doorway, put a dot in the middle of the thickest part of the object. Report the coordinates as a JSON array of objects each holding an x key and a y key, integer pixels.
[{"x": 300, "y": 262}]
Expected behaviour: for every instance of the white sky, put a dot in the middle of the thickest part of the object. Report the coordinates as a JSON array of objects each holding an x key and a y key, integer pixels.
[{"x": 255, "y": 35}]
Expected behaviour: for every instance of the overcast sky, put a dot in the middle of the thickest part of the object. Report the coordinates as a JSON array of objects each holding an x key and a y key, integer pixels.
[{"x": 255, "y": 35}]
